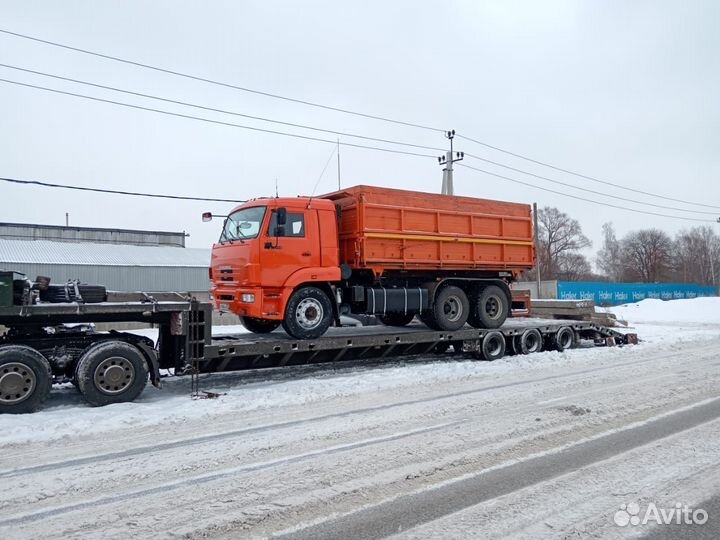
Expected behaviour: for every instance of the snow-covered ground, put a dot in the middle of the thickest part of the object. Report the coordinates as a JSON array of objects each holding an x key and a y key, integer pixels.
[{"x": 307, "y": 443}]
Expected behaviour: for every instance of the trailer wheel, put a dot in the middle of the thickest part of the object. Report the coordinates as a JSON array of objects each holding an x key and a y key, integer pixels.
[
  {"x": 451, "y": 308},
  {"x": 492, "y": 347},
  {"x": 530, "y": 341},
  {"x": 564, "y": 339},
  {"x": 308, "y": 314},
  {"x": 397, "y": 319},
  {"x": 490, "y": 308},
  {"x": 111, "y": 372},
  {"x": 25, "y": 379},
  {"x": 259, "y": 326}
]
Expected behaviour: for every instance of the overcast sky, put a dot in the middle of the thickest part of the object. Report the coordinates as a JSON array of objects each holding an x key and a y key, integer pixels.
[{"x": 623, "y": 91}]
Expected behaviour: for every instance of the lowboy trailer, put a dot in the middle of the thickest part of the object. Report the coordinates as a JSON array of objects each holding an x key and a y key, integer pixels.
[{"x": 46, "y": 344}]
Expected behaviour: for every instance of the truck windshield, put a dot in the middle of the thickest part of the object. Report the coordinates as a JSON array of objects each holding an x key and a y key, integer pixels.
[{"x": 243, "y": 224}]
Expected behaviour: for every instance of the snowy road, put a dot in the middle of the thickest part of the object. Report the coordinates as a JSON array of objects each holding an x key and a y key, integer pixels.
[{"x": 548, "y": 445}]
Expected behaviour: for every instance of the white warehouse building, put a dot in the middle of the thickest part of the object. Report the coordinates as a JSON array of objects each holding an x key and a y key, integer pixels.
[{"x": 122, "y": 260}]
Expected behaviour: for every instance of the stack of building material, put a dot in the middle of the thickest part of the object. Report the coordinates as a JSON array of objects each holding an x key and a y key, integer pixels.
[
  {"x": 579, "y": 310},
  {"x": 562, "y": 309}
]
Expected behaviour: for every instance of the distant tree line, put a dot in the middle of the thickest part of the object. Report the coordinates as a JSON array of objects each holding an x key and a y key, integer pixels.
[{"x": 646, "y": 255}]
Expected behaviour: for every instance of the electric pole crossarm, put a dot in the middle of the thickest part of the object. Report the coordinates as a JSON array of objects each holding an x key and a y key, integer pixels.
[{"x": 447, "y": 160}]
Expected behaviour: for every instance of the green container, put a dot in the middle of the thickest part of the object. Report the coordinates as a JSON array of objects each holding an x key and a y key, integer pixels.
[{"x": 6, "y": 288}]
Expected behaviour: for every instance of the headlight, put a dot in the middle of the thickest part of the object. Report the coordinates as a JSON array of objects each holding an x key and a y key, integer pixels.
[{"x": 248, "y": 298}]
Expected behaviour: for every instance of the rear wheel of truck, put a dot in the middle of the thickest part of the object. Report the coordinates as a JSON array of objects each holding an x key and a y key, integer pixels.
[
  {"x": 111, "y": 372},
  {"x": 451, "y": 308},
  {"x": 397, "y": 319},
  {"x": 490, "y": 308},
  {"x": 25, "y": 379},
  {"x": 259, "y": 326},
  {"x": 308, "y": 313}
]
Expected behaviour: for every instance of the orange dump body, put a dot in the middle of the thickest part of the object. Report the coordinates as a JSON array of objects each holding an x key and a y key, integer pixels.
[{"x": 390, "y": 229}]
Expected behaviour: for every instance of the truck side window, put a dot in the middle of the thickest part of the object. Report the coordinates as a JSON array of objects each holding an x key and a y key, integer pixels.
[{"x": 294, "y": 227}]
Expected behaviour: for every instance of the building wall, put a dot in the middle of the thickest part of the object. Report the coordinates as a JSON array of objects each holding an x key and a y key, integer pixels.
[
  {"x": 122, "y": 278},
  {"x": 548, "y": 289},
  {"x": 21, "y": 231}
]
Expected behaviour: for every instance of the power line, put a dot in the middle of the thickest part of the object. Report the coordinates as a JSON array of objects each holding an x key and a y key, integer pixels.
[
  {"x": 116, "y": 192},
  {"x": 580, "y": 175},
  {"x": 200, "y": 119},
  {"x": 345, "y": 111},
  {"x": 219, "y": 83},
  {"x": 223, "y": 111},
  {"x": 587, "y": 189},
  {"x": 515, "y": 180}
]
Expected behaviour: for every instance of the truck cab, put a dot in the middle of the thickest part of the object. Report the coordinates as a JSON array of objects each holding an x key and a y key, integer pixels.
[{"x": 268, "y": 248}]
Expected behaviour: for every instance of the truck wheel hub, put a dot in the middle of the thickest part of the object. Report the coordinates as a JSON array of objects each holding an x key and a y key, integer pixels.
[
  {"x": 453, "y": 308},
  {"x": 113, "y": 375},
  {"x": 17, "y": 382},
  {"x": 492, "y": 307},
  {"x": 309, "y": 313}
]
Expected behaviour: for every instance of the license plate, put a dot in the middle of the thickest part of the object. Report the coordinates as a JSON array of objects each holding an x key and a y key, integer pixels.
[{"x": 224, "y": 307}]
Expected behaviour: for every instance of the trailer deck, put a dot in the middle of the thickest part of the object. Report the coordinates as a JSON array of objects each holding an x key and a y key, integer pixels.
[
  {"x": 105, "y": 366},
  {"x": 253, "y": 351}
]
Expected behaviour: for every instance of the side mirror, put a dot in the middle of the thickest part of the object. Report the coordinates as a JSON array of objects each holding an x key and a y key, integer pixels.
[
  {"x": 207, "y": 216},
  {"x": 281, "y": 217}
]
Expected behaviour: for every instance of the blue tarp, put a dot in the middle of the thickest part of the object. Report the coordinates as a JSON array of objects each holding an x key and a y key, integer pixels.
[{"x": 611, "y": 294}]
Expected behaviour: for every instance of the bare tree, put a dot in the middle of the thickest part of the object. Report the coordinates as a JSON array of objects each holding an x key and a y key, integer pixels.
[
  {"x": 696, "y": 256},
  {"x": 609, "y": 259},
  {"x": 573, "y": 266},
  {"x": 560, "y": 237},
  {"x": 647, "y": 255}
]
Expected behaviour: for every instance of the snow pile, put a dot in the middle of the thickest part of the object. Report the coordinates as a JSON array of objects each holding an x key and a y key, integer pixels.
[{"x": 692, "y": 310}]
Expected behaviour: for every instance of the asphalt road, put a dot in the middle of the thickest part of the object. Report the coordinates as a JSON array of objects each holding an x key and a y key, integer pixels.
[{"x": 406, "y": 512}]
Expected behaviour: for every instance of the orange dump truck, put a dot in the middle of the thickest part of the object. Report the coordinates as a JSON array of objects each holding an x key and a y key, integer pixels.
[{"x": 302, "y": 262}]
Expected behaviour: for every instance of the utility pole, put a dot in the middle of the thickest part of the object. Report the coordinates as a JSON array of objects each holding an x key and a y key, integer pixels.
[
  {"x": 537, "y": 255},
  {"x": 67, "y": 219},
  {"x": 448, "y": 159},
  {"x": 338, "y": 162}
]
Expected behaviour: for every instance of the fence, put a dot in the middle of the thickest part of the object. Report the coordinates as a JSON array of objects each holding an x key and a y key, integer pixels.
[{"x": 610, "y": 294}]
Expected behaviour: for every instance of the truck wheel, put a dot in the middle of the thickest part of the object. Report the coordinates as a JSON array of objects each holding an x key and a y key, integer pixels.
[
  {"x": 564, "y": 339},
  {"x": 397, "y": 319},
  {"x": 451, "y": 308},
  {"x": 531, "y": 341},
  {"x": 259, "y": 326},
  {"x": 490, "y": 308},
  {"x": 492, "y": 347},
  {"x": 308, "y": 314},
  {"x": 25, "y": 379},
  {"x": 111, "y": 372},
  {"x": 427, "y": 318}
]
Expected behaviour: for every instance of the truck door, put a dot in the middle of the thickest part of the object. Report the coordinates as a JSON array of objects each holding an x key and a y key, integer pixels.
[{"x": 289, "y": 248}]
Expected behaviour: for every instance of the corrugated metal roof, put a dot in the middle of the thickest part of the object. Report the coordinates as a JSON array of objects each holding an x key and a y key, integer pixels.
[{"x": 47, "y": 252}]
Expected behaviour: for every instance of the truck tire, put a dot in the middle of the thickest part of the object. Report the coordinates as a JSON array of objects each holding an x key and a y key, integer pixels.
[
  {"x": 427, "y": 318},
  {"x": 564, "y": 339},
  {"x": 259, "y": 326},
  {"x": 397, "y": 319},
  {"x": 451, "y": 308},
  {"x": 308, "y": 313},
  {"x": 530, "y": 341},
  {"x": 58, "y": 294},
  {"x": 492, "y": 347},
  {"x": 111, "y": 372},
  {"x": 490, "y": 308},
  {"x": 25, "y": 379}
]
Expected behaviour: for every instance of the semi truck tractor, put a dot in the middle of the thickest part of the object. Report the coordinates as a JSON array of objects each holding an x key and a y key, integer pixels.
[{"x": 303, "y": 262}]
